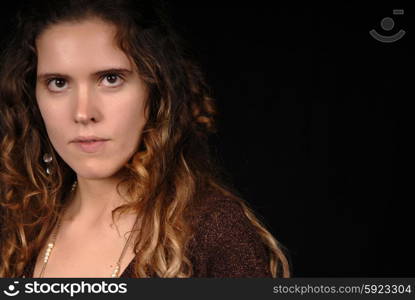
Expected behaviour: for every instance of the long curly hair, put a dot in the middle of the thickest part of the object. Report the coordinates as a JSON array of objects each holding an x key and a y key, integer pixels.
[{"x": 172, "y": 170}]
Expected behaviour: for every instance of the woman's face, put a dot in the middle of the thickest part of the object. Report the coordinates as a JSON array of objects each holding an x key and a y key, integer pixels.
[{"x": 76, "y": 98}]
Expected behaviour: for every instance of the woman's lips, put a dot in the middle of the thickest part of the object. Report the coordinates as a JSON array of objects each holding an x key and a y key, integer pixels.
[{"x": 91, "y": 147}]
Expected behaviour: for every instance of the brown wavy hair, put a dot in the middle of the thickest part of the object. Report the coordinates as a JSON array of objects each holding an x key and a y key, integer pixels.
[{"x": 172, "y": 170}]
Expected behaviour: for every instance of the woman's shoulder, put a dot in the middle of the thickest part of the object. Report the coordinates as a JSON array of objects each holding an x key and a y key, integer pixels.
[
  {"x": 220, "y": 212},
  {"x": 226, "y": 243},
  {"x": 222, "y": 218}
]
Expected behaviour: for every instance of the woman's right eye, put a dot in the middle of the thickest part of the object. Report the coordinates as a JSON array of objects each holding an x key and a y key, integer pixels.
[{"x": 59, "y": 83}]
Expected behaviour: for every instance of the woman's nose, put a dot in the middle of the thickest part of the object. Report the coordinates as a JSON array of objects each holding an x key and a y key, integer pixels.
[{"x": 85, "y": 110}]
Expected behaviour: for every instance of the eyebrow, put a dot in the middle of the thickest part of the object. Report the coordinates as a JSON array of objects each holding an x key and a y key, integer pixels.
[{"x": 96, "y": 74}]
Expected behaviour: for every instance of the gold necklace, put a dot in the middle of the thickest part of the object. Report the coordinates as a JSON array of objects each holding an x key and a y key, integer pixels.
[{"x": 51, "y": 244}]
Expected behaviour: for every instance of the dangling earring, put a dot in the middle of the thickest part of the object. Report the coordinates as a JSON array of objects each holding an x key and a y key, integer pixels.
[
  {"x": 74, "y": 185},
  {"x": 47, "y": 158}
]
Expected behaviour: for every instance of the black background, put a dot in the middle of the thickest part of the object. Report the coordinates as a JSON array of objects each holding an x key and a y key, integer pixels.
[{"x": 314, "y": 126}]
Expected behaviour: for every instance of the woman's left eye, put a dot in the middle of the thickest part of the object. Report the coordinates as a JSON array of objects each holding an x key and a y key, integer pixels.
[{"x": 112, "y": 78}]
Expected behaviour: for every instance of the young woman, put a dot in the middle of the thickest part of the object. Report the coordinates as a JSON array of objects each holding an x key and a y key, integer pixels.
[{"x": 105, "y": 163}]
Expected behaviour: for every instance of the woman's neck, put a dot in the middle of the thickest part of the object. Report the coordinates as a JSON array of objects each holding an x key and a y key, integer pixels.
[{"x": 92, "y": 202}]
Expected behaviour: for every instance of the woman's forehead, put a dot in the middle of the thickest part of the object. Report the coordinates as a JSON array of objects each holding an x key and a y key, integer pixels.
[{"x": 88, "y": 44}]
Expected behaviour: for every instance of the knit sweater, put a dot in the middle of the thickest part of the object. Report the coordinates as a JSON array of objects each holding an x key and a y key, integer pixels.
[{"x": 225, "y": 244}]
